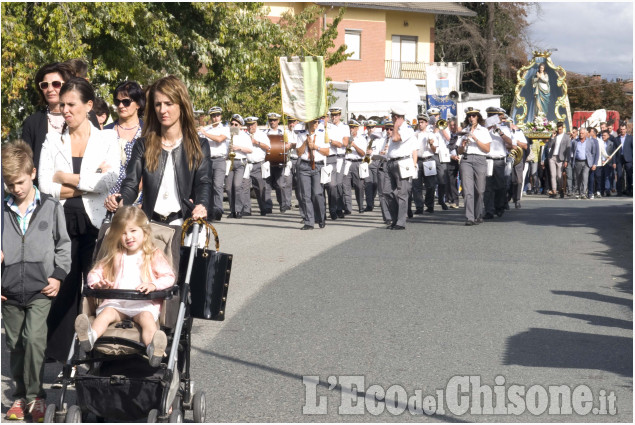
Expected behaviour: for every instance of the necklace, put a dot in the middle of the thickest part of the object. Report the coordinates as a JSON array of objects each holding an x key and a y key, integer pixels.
[
  {"x": 57, "y": 128},
  {"x": 125, "y": 128},
  {"x": 171, "y": 145}
]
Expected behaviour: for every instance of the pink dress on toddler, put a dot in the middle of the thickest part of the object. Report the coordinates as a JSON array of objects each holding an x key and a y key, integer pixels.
[{"x": 129, "y": 276}]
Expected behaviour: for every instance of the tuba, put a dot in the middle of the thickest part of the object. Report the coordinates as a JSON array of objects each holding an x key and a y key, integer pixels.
[{"x": 516, "y": 154}]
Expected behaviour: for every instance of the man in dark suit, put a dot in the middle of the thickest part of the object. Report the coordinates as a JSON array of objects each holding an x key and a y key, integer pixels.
[
  {"x": 558, "y": 154},
  {"x": 624, "y": 162},
  {"x": 607, "y": 146},
  {"x": 586, "y": 154}
]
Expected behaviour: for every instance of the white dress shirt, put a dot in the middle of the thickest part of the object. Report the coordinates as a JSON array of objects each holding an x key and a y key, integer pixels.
[{"x": 258, "y": 154}]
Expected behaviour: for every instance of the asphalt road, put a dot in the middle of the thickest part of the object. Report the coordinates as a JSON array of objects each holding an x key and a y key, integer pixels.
[{"x": 539, "y": 298}]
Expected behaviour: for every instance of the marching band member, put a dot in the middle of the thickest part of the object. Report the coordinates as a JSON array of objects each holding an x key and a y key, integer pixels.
[
  {"x": 402, "y": 147},
  {"x": 453, "y": 165},
  {"x": 260, "y": 145},
  {"x": 375, "y": 142},
  {"x": 417, "y": 182},
  {"x": 313, "y": 150},
  {"x": 474, "y": 148},
  {"x": 240, "y": 145},
  {"x": 518, "y": 172},
  {"x": 441, "y": 155},
  {"x": 383, "y": 181},
  {"x": 428, "y": 149},
  {"x": 353, "y": 159},
  {"x": 338, "y": 134},
  {"x": 495, "y": 183},
  {"x": 293, "y": 132},
  {"x": 218, "y": 136},
  {"x": 277, "y": 179}
]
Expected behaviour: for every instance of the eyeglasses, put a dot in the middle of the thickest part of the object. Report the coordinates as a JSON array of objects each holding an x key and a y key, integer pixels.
[
  {"x": 45, "y": 84},
  {"x": 125, "y": 102},
  {"x": 235, "y": 124}
]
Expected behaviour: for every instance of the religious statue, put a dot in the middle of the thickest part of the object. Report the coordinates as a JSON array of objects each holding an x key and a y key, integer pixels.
[{"x": 541, "y": 92}]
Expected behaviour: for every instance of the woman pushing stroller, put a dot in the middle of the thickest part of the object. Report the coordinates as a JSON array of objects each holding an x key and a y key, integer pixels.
[{"x": 132, "y": 262}]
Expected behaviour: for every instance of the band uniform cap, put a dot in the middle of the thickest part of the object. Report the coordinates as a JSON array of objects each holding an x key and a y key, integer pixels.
[
  {"x": 335, "y": 110},
  {"x": 353, "y": 123},
  {"x": 215, "y": 110},
  {"x": 434, "y": 111},
  {"x": 388, "y": 123},
  {"x": 398, "y": 110},
  {"x": 251, "y": 120},
  {"x": 472, "y": 110},
  {"x": 423, "y": 117},
  {"x": 273, "y": 116},
  {"x": 502, "y": 111},
  {"x": 290, "y": 118},
  {"x": 238, "y": 118},
  {"x": 371, "y": 123}
]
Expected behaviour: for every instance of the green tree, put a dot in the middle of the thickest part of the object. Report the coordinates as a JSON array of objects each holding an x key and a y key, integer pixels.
[
  {"x": 226, "y": 53},
  {"x": 493, "y": 43},
  {"x": 589, "y": 94}
]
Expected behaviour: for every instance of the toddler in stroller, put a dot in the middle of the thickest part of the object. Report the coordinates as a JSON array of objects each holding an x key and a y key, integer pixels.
[{"x": 131, "y": 261}]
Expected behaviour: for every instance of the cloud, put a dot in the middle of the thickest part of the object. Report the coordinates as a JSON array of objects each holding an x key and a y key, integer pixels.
[{"x": 590, "y": 37}]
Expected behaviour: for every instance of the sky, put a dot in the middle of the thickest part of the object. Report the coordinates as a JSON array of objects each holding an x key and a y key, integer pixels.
[{"x": 591, "y": 38}]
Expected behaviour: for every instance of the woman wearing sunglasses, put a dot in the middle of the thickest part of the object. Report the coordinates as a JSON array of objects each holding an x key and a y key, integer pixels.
[
  {"x": 130, "y": 102},
  {"x": 170, "y": 158},
  {"x": 48, "y": 82}
]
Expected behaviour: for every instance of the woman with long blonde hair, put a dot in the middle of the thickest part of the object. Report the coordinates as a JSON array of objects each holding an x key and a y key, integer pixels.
[
  {"x": 131, "y": 262},
  {"x": 170, "y": 158}
]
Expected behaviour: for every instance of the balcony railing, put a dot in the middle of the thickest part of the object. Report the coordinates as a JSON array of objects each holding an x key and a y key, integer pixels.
[{"x": 405, "y": 70}]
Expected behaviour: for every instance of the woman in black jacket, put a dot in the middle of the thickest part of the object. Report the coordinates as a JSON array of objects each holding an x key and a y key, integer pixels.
[
  {"x": 49, "y": 81},
  {"x": 170, "y": 158}
]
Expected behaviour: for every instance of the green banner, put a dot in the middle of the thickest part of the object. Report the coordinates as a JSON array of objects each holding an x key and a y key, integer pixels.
[{"x": 303, "y": 87}]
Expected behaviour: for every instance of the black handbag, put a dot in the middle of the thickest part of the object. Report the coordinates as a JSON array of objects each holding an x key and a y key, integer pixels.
[{"x": 209, "y": 280}]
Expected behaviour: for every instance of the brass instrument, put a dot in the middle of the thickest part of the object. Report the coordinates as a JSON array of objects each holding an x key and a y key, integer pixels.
[
  {"x": 368, "y": 147},
  {"x": 516, "y": 154},
  {"x": 441, "y": 124},
  {"x": 233, "y": 131}
]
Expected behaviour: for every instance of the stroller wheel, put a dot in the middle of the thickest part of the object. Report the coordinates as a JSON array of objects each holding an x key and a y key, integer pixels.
[
  {"x": 176, "y": 417},
  {"x": 198, "y": 407},
  {"x": 74, "y": 415},
  {"x": 49, "y": 414},
  {"x": 153, "y": 416}
]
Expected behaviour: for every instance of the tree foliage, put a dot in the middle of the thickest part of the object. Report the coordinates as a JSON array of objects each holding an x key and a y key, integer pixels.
[
  {"x": 226, "y": 53},
  {"x": 590, "y": 94},
  {"x": 493, "y": 43}
]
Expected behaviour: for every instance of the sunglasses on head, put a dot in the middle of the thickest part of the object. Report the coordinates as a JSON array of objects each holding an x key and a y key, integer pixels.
[
  {"x": 125, "y": 102},
  {"x": 45, "y": 84}
]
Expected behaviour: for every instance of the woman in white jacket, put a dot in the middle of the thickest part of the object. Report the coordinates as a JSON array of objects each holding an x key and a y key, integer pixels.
[{"x": 78, "y": 168}]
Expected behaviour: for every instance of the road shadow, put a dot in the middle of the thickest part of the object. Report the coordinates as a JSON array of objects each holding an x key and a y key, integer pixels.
[
  {"x": 553, "y": 348},
  {"x": 593, "y": 319}
]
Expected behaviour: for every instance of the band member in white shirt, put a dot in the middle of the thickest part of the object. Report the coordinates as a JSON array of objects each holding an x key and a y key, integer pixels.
[
  {"x": 354, "y": 155},
  {"x": 218, "y": 136},
  {"x": 495, "y": 187},
  {"x": 277, "y": 180},
  {"x": 260, "y": 145},
  {"x": 402, "y": 157},
  {"x": 375, "y": 140},
  {"x": 240, "y": 146},
  {"x": 338, "y": 134},
  {"x": 422, "y": 135},
  {"x": 474, "y": 147},
  {"x": 313, "y": 150}
]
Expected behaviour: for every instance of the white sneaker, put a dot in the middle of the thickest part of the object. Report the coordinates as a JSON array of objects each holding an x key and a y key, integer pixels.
[
  {"x": 591, "y": 196},
  {"x": 598, "y": 195},
  {"x": 156, "y": 349}
]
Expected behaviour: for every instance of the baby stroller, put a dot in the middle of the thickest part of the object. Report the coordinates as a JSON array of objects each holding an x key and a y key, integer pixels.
[{"x": 120, "y": 384}]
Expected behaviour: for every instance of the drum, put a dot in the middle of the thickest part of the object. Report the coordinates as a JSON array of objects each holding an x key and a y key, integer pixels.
[{"x": 276, "y": 154}]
